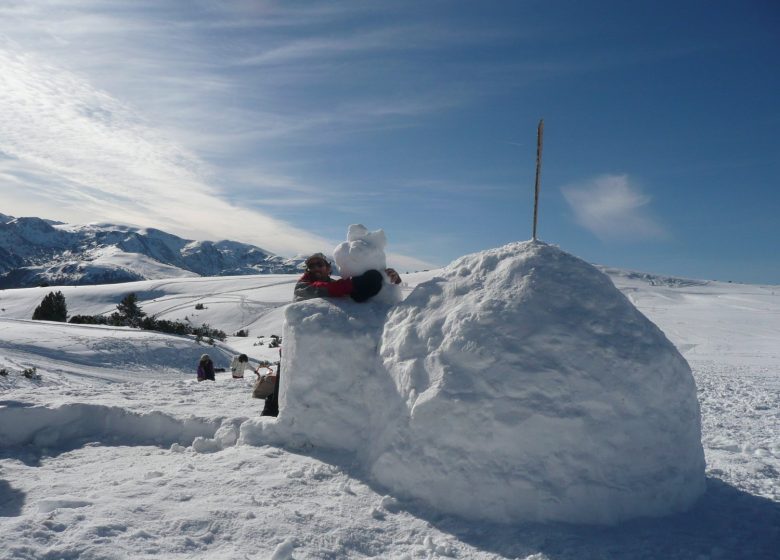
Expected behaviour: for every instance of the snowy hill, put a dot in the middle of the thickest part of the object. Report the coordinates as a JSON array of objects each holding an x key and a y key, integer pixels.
[
  {"x": 117, "y": 452},
  {"x": 36, "y": 252}
]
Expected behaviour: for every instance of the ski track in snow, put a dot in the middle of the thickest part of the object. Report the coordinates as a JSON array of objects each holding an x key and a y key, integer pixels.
[{"x": 106, "y": 468}]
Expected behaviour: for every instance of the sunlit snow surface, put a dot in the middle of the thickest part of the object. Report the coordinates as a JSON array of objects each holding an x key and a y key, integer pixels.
[{"x": 147, "y": 467}]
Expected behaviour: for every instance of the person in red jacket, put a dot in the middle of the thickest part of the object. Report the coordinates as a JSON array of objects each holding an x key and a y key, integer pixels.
[{"x": 316, "y": 282}]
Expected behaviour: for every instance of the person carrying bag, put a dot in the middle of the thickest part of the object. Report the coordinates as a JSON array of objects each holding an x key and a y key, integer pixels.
[{"x": 265, "y": 383}]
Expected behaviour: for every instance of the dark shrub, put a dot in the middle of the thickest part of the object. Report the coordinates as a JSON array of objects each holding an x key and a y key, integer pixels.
[
  {"x": 89, "y": 320},
  {"x": 51, "y": 308},
  {"x": 128, "y": 313}
]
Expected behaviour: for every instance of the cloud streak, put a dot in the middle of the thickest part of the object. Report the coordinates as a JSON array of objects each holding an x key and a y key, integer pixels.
[
  {"x": 613, "y": 209},
  {"x": 215, "y": 119},
  {"x": 143, "y": 115},
  {"x": 100, "y": 159},
  {"x": 72, "y": 152}
]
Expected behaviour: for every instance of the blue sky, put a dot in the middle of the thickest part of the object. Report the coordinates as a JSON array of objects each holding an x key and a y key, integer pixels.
[{"x": 281, "y": 123}]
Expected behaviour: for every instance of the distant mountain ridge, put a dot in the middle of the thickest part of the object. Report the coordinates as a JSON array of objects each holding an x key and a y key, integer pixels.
[
  {"x": 651, "y": 279},
  {"x": 34, "y": 252}
]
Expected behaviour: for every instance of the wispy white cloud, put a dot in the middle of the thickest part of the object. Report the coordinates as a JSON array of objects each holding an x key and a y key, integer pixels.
[
  {"x": 382, "y": 39},
  {"x": 186, "y": 79},
  {"x": 176, "y": 116},
  {"x": 614, "y": 209},
  {"x": 100, "y": 159}
]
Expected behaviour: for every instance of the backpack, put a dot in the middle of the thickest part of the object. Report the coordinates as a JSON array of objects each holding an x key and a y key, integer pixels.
[{"x": 265, "y": 385}]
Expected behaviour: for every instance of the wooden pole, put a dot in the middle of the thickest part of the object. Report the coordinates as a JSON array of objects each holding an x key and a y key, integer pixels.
[{"x": 539, "y": 135}]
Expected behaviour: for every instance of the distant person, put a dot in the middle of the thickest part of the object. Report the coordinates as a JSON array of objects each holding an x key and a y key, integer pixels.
[
  {"x": 205, "y": 368},
  {"x": 316, "y": 282},
  {"x": 239, "y": 365}
]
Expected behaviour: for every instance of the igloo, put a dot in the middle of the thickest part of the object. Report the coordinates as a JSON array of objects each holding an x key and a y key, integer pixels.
[{"x": 519, "y": 385}]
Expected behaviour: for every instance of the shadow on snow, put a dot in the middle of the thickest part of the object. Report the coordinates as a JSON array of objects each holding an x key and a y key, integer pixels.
[
  {"x": 725, "y": 523},
  {"x": 11, "y": 500}
]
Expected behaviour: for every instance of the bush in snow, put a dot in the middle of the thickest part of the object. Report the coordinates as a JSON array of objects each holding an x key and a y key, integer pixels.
[
  {"x": 163, "y": 325},
  {"x": 128, "y": 313},
  {"x": 31, "y": 373},
  {"x": 3, "y": 372},
  {"x": 242, "y": 332},
  {"x": 51, "y": 308},
  {"x": 152, "y": 324},
  {"x": 89, "y": 320},
  {"x": 206, "y": 331},
  {"x": 199, "y": 306}
]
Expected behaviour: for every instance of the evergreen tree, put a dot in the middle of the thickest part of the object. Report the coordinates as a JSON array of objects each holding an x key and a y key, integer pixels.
[
  {"x": 51, "y": 308},
  {"x": 127, "y": 311}
]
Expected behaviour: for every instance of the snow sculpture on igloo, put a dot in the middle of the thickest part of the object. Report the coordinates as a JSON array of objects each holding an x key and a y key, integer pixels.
[
  {"x": 362, "y": 251},
  {"x": 535, "y": 391}
]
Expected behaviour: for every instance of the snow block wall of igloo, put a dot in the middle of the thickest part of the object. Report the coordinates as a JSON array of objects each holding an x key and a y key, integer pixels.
[
  {"x": 331, "y": 389},
  {"x": 536, "y": 391},
  {"x": 520, "y": 385}
]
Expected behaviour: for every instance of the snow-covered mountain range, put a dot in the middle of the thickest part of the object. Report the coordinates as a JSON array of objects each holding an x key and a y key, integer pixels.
[{"x": 35, "y": 252}]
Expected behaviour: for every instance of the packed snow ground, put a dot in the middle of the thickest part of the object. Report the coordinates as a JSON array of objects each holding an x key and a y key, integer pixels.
[{"x": 118, "y": 453}]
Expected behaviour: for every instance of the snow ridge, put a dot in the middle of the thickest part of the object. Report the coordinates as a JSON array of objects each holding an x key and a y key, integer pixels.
[{"x": 45, "y": 428}]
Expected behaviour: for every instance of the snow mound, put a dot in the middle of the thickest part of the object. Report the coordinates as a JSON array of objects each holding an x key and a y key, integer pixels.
[
  {"x": 61, "y": 426},
  {"x": 531, "y": 386},
  {"x": 521, "y": 385}
]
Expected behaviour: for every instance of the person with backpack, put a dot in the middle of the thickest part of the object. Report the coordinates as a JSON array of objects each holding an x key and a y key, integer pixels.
[
  {"x": 205, "y": 368},
  {"x": 316, "y": 282}
]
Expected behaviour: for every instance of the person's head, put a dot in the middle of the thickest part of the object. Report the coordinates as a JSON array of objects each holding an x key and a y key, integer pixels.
[
  {"x": 205, "y": 358},
  {"x": 317, "y": 266},
  {"x": 243, "y": 358}
]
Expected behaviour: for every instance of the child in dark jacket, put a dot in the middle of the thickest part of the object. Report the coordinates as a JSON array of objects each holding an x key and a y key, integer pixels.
[{"x": 205, "y": 368}]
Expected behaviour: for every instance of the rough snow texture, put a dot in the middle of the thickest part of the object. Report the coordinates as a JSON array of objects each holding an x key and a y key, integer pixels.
[{"x": 521, "y": 385}]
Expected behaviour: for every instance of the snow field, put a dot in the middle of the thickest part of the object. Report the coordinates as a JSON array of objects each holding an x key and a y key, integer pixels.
[{"x": 117, "y": 496}]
